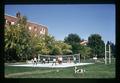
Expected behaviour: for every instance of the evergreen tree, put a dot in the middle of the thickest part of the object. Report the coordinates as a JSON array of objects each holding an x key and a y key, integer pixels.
[{"x": 97, "y": 44}]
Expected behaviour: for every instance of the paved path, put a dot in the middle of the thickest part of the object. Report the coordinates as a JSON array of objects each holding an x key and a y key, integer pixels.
[{"x": 63, "y": 65}]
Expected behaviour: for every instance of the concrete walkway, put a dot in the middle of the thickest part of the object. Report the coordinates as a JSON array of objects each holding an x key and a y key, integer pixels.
[{"x": 49, "y": 65}]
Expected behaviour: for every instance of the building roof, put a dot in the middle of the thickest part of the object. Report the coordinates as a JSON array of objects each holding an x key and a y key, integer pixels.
[
  {"x": 84, "y": 42},
  {"x": 11, "y": 18},
  {"x": 14, "y": 19}
]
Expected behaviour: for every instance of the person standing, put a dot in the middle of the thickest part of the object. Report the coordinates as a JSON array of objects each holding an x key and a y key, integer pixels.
[
  {"x": 75, "y": 60},
  {"x": 48, "y": 59},
  {"x": 54, "y": 61},
  {"x": 60, "y": 59},
  {"x": 43, "y": 61},
  {"x": 35, "y": 60},
  {"x": 69, "y": 60}
]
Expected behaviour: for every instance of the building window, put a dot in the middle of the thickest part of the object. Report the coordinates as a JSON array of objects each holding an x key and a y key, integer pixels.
[
  {"x": 30, "y": 28},
  {"x": 44, "y": 31},
  {"x": 12, "y": 23},
  {"x": 6, "y": 21},
  {"x": 41, "y": 32},
  {"x": 35, "y": 28},
  {"x": 18, "y": 25},
  {"x": 35, "y": 35}
]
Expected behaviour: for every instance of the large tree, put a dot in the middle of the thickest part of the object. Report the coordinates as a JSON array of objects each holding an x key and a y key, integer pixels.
[
  {"x": 11, "y": 40},
  {"x": 97, "y": 44},
  {"x": 47, "y": 45},
  {"x": 62, "y": 48},
  {"x": 17, "y": 40},
  {"x": 85, "y": 52},
  {"x": 24, "y": 38},
  {"x": 74, "y": 41}
]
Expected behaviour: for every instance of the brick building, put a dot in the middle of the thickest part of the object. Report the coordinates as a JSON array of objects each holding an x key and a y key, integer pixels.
[{"x": 37, "y": 29}]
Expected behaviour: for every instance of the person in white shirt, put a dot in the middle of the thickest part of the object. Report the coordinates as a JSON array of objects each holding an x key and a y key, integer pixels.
[
  {"x": 48, "y": 59},
  {"x": 35, "y": 60},
  {"x": 43, "y": 61},
  {"x": 68, "y": 60},
  {"x": 60, "y": 60},
  {"x": 75, "y": 60},
  {"x": 54, "y": 61}
]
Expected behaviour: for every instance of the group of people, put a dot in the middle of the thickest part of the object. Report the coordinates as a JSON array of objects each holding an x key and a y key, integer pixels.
[
  {"x": 44, "y": 60},
  {"x": 57, "y": 59},
  {"x": 34, "y": 61}
]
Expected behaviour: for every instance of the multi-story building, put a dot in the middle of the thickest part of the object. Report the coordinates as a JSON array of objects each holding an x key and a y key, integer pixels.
[{"x": 37, "y": 29}]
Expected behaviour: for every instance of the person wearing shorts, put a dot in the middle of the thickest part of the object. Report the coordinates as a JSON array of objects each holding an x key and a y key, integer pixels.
[{"x": 54, "y": 61}]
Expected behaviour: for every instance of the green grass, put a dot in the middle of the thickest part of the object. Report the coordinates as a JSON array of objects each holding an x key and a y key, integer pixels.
[{"x": 98, "y": 70}]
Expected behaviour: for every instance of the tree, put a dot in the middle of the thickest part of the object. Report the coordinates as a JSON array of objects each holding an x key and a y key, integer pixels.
[
  {"x": 47, "y": 45},
  {"x": 56, "y": 51},
  {"x": 66, "y": 49},
  {"x": 85, "y": 52},
  {"x": 17, "y": 38},
  {"x": 97, "y": 44},
  {"x": 74, "y": 41},
  {"x": 63, "y": 48},
  {"x": 11, "y": 40},
  {"x": 49, "y": 42},
  {"x": 43, "y": 44},
  {"x": 24, "y": 38}
]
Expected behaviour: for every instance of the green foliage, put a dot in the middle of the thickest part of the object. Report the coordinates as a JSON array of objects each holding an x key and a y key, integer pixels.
[
  {"x": 17, "y": 37},
  {"x": 97, "y": 44},
  {"x": 56, "y": 51},
  {"x": 66, "y": 49},
  {"x": 23, "y": 21},
  {"x": 47, "y": 45},
  {"x": 62, "y": 48},
  {"x": 24, "y": 44},
  {"x": 85, "y": 52},
  {"x": 74, "y": 41},
  {"x": 98, "y": 70}
]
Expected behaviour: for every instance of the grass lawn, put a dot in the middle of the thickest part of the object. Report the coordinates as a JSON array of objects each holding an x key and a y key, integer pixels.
[{"x": 98, "y": 70}]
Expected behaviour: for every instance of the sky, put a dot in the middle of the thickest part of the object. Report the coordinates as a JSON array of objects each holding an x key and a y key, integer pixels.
[{"x": 61, "y": 20}]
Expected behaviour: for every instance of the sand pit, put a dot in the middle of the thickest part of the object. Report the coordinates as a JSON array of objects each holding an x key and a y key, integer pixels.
[{"x": 49, "y": 65}]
